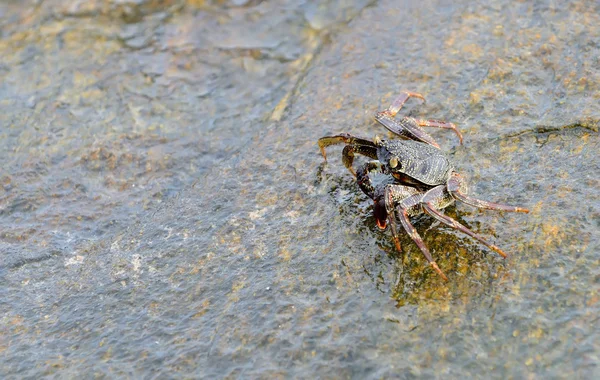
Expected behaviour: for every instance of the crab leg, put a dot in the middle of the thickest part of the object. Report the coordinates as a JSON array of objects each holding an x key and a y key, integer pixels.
[
  {"x": 384, "y": 207},
  {"x": 394, "y": 230},
  {"x": 369, "y": 147},
  {"x": 385, "y": 202},
  {"x": 412, "y": 232},
  {"x": 453, "y": 186},
  {"x": 485, "y": 204},
  {"x": 406, "y": 127},
  {"x": 355, "y": 145},
  {"x": 429, "y": 206},
  {"x": 400, "y": 100},
  {"x": 348, "y": 158},
  {"x": 440, "y": 124}
]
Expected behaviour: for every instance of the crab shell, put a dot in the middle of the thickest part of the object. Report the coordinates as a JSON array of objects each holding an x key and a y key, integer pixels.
[{"x": 410, "y": 161}]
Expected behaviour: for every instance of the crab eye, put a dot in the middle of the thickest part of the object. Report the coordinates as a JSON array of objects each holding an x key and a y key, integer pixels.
[{"x": 393, "y": 162}]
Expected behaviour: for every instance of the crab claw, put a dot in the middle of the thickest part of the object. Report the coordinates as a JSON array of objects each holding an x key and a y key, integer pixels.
[{"x": 380, "y": 214}]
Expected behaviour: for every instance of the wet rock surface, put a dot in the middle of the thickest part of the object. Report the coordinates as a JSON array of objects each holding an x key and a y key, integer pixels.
[{"x": 165, "y": 210}]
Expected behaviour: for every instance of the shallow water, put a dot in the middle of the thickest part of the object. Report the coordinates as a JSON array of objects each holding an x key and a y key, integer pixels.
[{"x": 165, "y": 210}]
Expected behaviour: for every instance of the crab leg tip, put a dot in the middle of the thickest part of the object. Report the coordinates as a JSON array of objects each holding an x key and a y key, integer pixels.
[
  {"x": 457, "y": 131},
  {"x": 322, "y": 149},
  {"x": 499, "y": 251},
  {"x": 414, "y": 95},
  {"x": 460, "y": 136},
  {"x": 438, "y": 270}
]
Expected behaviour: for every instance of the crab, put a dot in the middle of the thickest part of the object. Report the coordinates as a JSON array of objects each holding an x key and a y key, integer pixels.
[{"x": 424, "y": 179}]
